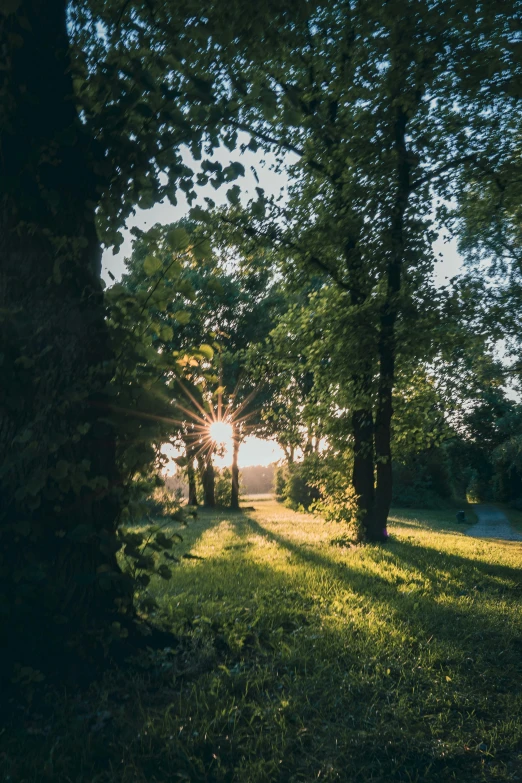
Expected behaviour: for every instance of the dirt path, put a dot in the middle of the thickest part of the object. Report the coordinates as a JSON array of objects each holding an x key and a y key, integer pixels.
[{"x": 493, "y": 523}]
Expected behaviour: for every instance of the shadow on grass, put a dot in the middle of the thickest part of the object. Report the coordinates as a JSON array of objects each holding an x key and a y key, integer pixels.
[
  {"x": 342, "y": 666},
  {"x": 444, "y": 604},
  {"x": 307, "y": 695}
]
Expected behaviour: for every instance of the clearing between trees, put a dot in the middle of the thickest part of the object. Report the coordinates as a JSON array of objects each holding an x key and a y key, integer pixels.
[{"x": 305, "y": 658}]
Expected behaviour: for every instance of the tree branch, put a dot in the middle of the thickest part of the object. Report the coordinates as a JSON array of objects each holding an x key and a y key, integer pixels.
[{"x": 442, "y": 169}]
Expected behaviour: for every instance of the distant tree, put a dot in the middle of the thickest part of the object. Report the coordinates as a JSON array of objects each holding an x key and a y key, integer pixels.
[{"x": 214, "y": 306}]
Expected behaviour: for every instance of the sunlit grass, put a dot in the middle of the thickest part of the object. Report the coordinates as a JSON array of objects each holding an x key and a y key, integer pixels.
[{"x": 313, "y": 661}]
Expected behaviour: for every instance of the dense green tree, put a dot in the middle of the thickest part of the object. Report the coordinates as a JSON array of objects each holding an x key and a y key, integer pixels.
[
  {"x": 87, "y": 132},
  {"x": 375, "y": 102}
]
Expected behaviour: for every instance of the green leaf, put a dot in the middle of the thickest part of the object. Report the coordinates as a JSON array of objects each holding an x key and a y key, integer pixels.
[
  {"x": 167, "y": 333},
  {"x": 178, "y": 239},
  {"x": 61, "y": 469},
  {"x": 174, "y": 270},
  {"x": 233, "y": 194},
  {"x": 202, "y": 250},
  {"x": 151, "y": 265},
  {"x": 9, "y": 6},
  {"x": 182, "y": 316},
  {"x": 200, "y": 215},
  {"x": 207, "y": 351}
]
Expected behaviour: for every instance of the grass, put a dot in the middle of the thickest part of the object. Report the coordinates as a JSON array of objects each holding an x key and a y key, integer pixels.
[{"x": 308, "y": 661}]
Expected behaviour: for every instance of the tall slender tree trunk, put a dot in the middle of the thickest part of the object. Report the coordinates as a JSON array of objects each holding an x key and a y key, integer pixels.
[
  {"x": 208, "y": 479},
  {"x": 387, "y": 337},
  {"x": 192, "y": 486},
  {"x": 234, "y": 498},
  {"x": 58, "y": 477}
]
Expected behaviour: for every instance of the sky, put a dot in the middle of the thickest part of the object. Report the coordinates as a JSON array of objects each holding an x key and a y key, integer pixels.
[{"x": 253, "y": 451}]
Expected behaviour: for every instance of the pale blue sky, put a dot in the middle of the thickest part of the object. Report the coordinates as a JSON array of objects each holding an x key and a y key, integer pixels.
[{"x": 270, "y": 180}]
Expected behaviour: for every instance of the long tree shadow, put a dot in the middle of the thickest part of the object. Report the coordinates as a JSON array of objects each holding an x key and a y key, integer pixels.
[
  {"x": 421, "y": 610},
  {"x": 421, "y": 555}
]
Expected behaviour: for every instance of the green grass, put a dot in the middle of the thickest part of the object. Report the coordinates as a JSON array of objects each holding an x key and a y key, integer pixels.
[{"x": 309, "y": 661}]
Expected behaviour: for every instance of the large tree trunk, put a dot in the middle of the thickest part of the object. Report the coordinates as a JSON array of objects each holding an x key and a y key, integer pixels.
[
  {"x": 234, "y": 498},
  {"x": 363, "y": 478},
  {"x": 387, "y": 337},
  {"x": 58, "y": 478}
]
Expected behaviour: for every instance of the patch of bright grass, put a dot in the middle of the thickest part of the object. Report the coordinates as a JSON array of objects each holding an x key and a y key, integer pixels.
[{"x": 310, "y": 661}]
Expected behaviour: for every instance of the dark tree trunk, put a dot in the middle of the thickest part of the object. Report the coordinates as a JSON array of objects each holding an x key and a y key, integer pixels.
[
  {"x": 234, "y": 498},
  {"x": 363, "y": 464},
  {"x": 363, "y": 478},
  {"x": 208, "y": 480},
  {"x": 383, "y": 428},
  {"x": 192, "y": 486},
  {"x": 387, "y": 338},
  {"x": 58, "y": 509}
]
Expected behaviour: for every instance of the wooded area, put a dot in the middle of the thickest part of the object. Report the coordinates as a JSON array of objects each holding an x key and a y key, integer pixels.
[{"x": 314, "y": 318}]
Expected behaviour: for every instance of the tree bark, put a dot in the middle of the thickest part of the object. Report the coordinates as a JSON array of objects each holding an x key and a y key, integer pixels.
[
  {"x": 234, "y": 497},
  {"x": 363, "y": 464},
  {"x": 208, "y": 481},
  {"x": 58, "y": 474},
  {"x": 363, "y": 473},
  {"x": 387, "y": 337},
  {"x": 192, "y": 487}
]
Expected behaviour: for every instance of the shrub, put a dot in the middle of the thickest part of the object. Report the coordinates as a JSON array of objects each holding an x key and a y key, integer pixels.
[
  {"x": 223, "y": 486},
  {"x": 423, "y": 480},
  {"x": 296, "y": 485}
]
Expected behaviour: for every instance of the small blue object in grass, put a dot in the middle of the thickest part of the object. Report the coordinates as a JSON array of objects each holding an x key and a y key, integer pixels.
[{"x": 461, "y": 516}]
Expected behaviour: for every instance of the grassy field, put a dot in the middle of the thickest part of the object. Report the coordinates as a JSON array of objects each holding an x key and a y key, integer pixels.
[{"x": 308, "y": 660}]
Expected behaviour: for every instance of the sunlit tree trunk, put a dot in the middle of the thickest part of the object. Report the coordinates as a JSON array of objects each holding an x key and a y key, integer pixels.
[{"x": 58, "y": 476}]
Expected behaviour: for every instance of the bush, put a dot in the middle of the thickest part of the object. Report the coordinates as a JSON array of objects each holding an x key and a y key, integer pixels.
[
  {"x": 295, "y": 484},
  {"x": 223, "y": 486},
  {"x": 423, "y": 480},
  {"x": 280, "y": 478}
]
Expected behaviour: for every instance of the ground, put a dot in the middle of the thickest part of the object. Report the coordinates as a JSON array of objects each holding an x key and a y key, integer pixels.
[
  {"x": 493, "y": 523},
  {"x": 308, "y": 659}
]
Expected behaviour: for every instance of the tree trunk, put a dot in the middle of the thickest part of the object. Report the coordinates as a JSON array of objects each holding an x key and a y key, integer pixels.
[
  {"x": 387, "y": 337},
  {"x": 383, "y": 429},
  {"x": 363, "y": 465},
  {"x": 234, "y": 498},
  {"x": 59, "y": 576},
  {"x": 363, "y": 478},
  {"x": 208, "y": 481},
  {"x": 192, "y": 487}
]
